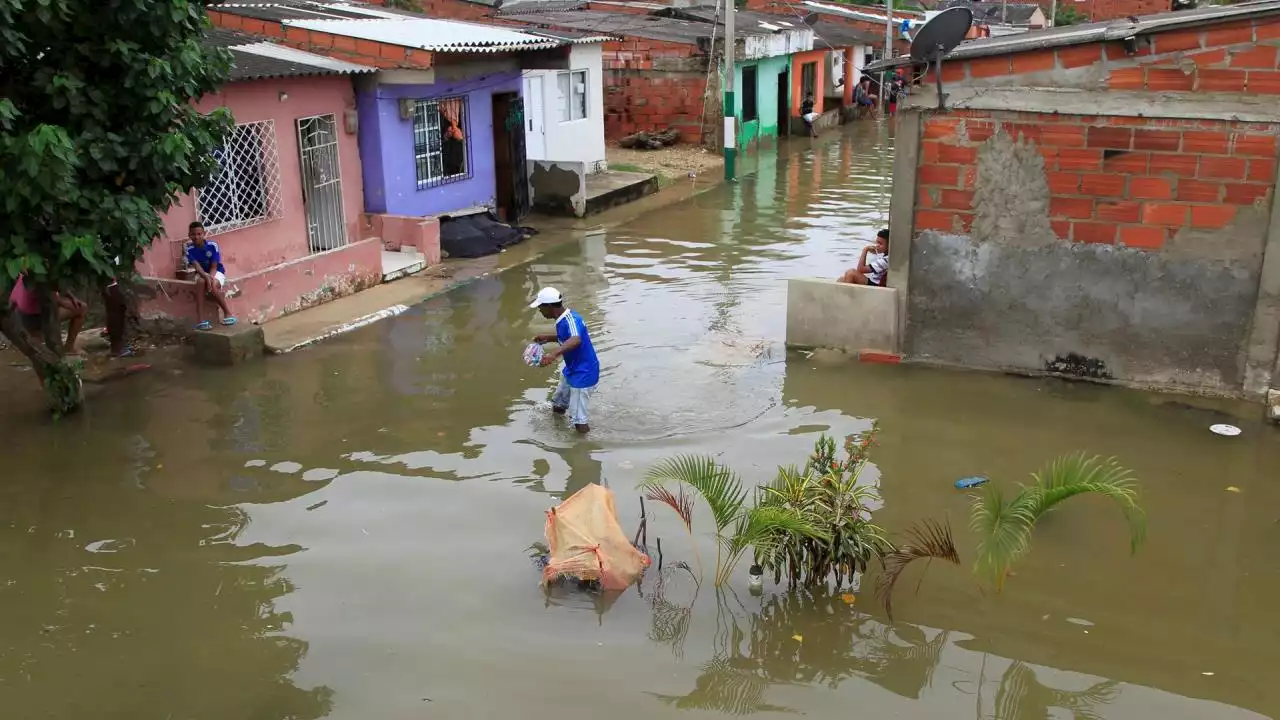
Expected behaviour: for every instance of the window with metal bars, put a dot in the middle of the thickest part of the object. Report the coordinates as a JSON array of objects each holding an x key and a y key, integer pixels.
[
  {"x": 245, "y": 189},
  {"x": 441, "y": 141}
]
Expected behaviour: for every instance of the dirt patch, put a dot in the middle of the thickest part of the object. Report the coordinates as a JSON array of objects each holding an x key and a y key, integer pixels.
[{"x": 669, "y": 164}]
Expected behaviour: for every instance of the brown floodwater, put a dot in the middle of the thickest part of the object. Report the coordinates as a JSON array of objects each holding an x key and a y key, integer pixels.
[{"x": 341, "y": 532}]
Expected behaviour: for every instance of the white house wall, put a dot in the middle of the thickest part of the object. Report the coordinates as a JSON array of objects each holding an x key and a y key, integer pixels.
[
  {"x": 577, "y": 140},
  {"x": 779, "y": 44}
]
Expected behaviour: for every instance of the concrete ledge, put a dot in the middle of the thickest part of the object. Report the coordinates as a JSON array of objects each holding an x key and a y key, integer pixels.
[
  {"x": 229, "y": 345},
  {"x": 271, "y": 292},
  {"x": 852, "y": 318}
]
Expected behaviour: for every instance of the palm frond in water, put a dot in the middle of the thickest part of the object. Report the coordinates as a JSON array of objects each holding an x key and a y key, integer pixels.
[
  {"x": 926, "y": 539},
  {"x": 726, "y": 689},
  {"x": 680, "y": 501},
  {"x": 1004, "y": 532},
  {"x": 1004, "y": 527},
  {"x": 1078, "y": 474}
]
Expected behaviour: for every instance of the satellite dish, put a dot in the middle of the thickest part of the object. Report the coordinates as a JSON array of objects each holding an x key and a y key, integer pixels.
[{"x": 939, "y": 36}]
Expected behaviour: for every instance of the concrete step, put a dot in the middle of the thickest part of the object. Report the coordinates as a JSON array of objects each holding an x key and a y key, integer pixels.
[{"x": 396, "y": 265}]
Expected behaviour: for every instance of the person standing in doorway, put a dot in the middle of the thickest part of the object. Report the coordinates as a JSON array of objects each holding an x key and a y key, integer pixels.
[
  {"x": 581, "y": 367},
  {"x": 206, "y": 258}
]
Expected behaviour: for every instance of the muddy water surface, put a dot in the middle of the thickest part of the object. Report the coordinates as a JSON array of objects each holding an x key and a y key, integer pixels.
[{"x": 340, "y": 532}]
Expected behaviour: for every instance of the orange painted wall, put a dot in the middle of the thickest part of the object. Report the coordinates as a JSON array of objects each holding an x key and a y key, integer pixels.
[{"x": 798, "y": 61}]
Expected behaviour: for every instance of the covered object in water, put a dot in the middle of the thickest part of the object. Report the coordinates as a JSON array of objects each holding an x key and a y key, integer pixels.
[{"x": 587, "y": 542}]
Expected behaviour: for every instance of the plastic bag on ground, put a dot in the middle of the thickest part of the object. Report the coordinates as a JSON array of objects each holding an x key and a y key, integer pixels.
[{"x": 587, "y": 542}]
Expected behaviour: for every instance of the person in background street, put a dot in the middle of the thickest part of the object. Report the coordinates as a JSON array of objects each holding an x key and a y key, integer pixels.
[
  {"x": 117, "y": 316},
  {"x": 873, "y": 266},
  {"x": 897, "y": 88},
  {"x": 863, "y": 98},
  {"x": 70, "y": 308},
  {"x": 581, "y": 367},
  {"x": 211, "y": 276},
  {"x": 808, "y": 115}
]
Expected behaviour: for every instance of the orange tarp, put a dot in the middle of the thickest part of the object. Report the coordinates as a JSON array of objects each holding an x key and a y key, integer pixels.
[{"x": 587, "y": 542}]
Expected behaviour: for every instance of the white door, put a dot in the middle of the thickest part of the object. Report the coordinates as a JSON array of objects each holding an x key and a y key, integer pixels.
[{"x": 535, "y": 128}]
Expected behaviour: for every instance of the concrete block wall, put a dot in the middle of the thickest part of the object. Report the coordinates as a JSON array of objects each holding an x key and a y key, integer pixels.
[
  {"x": 1098, "y": 210},
  {"x": 1129, "y": 181},
  {"x": 652, "y": 85}
]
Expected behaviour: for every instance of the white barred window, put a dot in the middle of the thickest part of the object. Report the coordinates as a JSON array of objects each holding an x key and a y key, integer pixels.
[{"x": 245, "y": 189}]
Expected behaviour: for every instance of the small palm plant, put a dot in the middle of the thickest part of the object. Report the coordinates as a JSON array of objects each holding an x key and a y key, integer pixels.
[
  {"x": 1004, "y": 526},
  {"x": 739, "y": 526}
]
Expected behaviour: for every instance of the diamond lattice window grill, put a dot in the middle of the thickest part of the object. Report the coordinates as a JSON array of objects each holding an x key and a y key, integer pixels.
[{"x": 245, "y": 189}]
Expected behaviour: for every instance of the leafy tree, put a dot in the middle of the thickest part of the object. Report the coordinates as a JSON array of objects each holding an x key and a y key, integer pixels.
[
  {"x": 98, "y": 136},
  {"x": 1067, "y": 15}
]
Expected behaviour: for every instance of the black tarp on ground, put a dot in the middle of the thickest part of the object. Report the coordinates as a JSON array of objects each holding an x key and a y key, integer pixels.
[{"x": 472, "y": 236}]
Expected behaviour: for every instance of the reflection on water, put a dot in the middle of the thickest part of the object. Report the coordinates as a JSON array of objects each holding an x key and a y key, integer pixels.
[{"x": 340, "y": 532}]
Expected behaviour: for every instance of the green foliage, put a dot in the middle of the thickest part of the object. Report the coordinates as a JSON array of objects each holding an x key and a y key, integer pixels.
[
  {"x": 739, "y": 527},
  {"x": 828, "y": 493},
  {"x": 808, "y": 525},
  {"x": 1067, "y": 15},
  {"x": 1004, "y": 527},
  {"x": 97, "y": 131}
]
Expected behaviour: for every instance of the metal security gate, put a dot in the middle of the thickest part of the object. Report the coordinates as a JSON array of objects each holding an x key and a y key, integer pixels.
[
  {"x": 321, "y": 182},
  {"x": 519, "y": 167}
]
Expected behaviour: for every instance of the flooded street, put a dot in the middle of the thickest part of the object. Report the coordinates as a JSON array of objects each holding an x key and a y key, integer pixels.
[{"x": 341, "y": 532}]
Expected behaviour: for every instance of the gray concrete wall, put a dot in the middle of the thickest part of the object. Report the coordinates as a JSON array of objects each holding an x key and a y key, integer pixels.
[
  {"x": 558, "y": 187},
  {"x": 1011, "y": 295},
  {"x": 828, "y": 314}
]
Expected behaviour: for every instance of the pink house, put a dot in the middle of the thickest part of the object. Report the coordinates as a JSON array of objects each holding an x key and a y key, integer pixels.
[{"x": 286, "y": 207}]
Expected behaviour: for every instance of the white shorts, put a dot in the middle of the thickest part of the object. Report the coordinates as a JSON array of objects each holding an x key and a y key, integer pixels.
[
  {"x": 573, "y": 401},
  {"x": 220, "y": 278}
]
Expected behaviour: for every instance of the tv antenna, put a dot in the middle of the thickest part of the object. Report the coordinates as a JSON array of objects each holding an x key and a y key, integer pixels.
[{"x": 939, "y": 36}]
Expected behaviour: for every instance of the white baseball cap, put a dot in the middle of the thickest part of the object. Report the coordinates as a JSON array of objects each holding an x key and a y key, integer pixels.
[{"x": 546, "y": 296}]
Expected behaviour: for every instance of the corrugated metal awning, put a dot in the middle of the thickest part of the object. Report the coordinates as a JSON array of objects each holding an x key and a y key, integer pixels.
[
  {"x": 431, "y": 34},
  {"x": 299, "y": 57}
]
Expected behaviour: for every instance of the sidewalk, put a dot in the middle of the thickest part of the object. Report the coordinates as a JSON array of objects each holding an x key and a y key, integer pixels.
[{"x": 312, "y": 325}]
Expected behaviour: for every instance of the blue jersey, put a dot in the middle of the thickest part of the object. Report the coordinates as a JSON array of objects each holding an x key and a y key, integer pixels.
[
  {"x": 581, "y": 367},
  {"x": 208, "y": 257}
]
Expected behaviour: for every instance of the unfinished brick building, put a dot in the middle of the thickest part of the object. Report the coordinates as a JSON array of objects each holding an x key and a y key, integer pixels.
[{"x": 1098, "y": 201}]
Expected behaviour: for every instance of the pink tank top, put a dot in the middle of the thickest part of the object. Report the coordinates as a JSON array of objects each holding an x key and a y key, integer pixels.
[{"x": 23, "y": 299}]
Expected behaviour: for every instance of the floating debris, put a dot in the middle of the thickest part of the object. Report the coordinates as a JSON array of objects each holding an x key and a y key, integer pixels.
[
  {"x": 1233, "y": 488},
  {"x": 1224, "y": 430},
  {"x": 970, "y": 482}
]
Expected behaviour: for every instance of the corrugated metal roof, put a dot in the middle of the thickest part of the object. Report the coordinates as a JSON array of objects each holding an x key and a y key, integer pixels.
[
  {"x": 254, "y": 59},
  {"x": 836, "y": 35},
  {"x": 653, "y": 27},
  {"x": 1097, "y": 32},
  {"x": 431, "y": 34},
  {"x": 300, "y": 57}
]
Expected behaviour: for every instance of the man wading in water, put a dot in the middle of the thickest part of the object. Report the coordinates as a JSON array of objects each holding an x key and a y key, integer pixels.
[{"x": 581, "y": 368}]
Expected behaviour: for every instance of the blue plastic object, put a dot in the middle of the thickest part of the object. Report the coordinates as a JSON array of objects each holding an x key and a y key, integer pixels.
[{"x": 970, "y": 482}]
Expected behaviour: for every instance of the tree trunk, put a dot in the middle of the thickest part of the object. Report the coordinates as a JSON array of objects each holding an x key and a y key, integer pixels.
[{"x": 61, "y": 380}]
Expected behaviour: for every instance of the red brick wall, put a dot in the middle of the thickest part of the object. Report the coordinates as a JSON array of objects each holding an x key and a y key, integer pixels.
[
  {"x": 455, "y": 9},
  {"x": 1121, "y": 180},
  {"x": 641, "y": 95}
]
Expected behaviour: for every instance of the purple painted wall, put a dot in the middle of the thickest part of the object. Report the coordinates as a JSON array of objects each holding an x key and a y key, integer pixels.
[{"x": 386, "y": 146}]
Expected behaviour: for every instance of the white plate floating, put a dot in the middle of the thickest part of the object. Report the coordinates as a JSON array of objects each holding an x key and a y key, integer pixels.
[{"x": 1224, "y": 430}]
